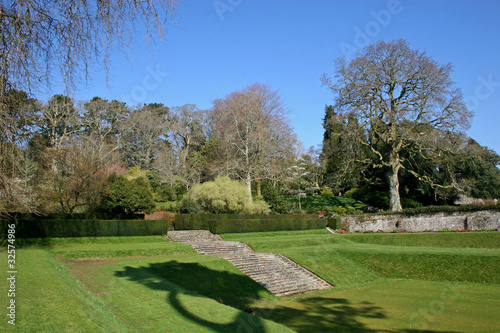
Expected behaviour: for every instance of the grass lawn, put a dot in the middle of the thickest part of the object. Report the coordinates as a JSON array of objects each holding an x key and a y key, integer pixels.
[{"x": 441, "y": 282}]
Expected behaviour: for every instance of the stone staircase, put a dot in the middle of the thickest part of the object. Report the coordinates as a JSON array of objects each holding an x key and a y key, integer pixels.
[
  {"x": 275, "y": 272},
  {"x": 183, "y": 236}
]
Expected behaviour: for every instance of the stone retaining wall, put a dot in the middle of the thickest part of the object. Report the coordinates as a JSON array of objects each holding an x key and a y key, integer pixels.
[{"x": 422, "y": 222}]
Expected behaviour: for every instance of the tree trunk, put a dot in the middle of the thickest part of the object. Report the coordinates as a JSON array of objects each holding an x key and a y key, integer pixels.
[
  {"x": 248, "y": 181},
  {"x": 259, "y": 188},
  {"x": 393, "y": 179}
]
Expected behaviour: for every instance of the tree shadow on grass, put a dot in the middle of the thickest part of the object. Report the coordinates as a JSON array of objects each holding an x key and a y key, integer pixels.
[
  {"x": 231, "y": 289},
  {"x": 329, "y": 314},
  {"x": 314, "y": 314}
]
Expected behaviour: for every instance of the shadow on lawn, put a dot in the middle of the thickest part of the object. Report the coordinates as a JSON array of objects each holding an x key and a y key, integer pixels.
[
  {"x": 314, "y": 314},
  {"x": 328, "y": 314},
  {"x": 231, "y": 289}
]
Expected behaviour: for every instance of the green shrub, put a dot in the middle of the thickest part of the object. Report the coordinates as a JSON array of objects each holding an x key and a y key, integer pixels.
[
  {"x": 165, "y": 192},
  {"x": 349, "y": 210},
  {"x": 326, "y": 192},
  {"x": 128, "y": 196},
  {"x": 410, "y": 203},
  {"x": 223, "y": 196},
  {"x": 259, "y": 206},
  {"x": 352, "y": 193},
  {"x": 189, "y": 206},
  {"x": 273, "y": 196},
  {"x": 180, "y": 191},
  {"x": 169, "y": 206}
]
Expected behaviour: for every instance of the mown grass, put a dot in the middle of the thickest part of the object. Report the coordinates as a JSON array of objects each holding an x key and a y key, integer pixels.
[
  {"x": 362, "y": 259},
  {"x": 136, "y": 293},
  {"x": 397, "y": 306},
  {"x": 153, "y": 247},
  {"x": 395, "y": 283},
  {"x": 489, "y": 240},
  {"x": 169, "y": 294},
  {"x": 49, "y": 299}
]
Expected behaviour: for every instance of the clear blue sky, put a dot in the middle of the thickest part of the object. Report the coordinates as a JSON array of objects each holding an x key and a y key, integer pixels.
[{"x": 221, "y": 46}]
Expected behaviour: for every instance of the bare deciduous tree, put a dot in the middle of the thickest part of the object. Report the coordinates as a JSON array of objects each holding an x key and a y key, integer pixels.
[
  {"x": 102, "y": 124},
  {"x": 402, "y": 100},
  {"x": 189, "y": 131},
  {"x": 145, "y": 135},
  {"x": 72, "y": 36},
  {"x": 59, "y": 120},
  {"x": 254, "y": 132}
]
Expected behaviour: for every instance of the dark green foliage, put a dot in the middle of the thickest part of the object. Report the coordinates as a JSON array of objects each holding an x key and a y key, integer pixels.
[
  {"x": 410, "y": 203},
  {"x": 230, "y": 223},
  {"x": 477, "y": 170},
  {"x": 273, "y": 196},
  {"x": 165, "y": 192},
  {"x": 86, "y": 228},
  {"x": 188, "y": 206},
  {"x": 128, "y": 196},
  {"x": 180, "y": 191},
  {"x": 316, "y": 203},
  {"x": 369, "y": 197}
]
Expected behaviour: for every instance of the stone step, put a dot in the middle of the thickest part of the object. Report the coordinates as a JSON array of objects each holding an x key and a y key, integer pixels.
[
  {"x": 278, "y": 274},
  {"x": 216, "y": 247},
  {"x": 182, "y": 236}
]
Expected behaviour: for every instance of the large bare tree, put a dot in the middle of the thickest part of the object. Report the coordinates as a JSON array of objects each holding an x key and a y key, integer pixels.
[
  {"x": 254, "y": 133},
  {"x": 145, "y": 135},
  {"x": 402, "y": 101},
  {"x": 188, "y": 132}
]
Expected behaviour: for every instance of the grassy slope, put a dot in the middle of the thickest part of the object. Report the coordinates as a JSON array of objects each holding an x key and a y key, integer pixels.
[
  {"x": 50, "y": 300},
  {"x": 401, "y": 306},
  {"x": 139, "y": 292},
  {"x": 328, "y": 254},
  {"x": 131, "y": 289},
  {"x": 394, "y": 283},
  {"x": 388, "y": 287}
]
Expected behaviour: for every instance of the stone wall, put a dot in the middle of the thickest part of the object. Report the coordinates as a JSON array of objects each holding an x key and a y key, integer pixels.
[{"x": 423, "y": 222}]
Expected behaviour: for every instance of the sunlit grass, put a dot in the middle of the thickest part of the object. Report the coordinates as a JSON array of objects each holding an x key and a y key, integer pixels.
[{"x": 391, "y": 283}]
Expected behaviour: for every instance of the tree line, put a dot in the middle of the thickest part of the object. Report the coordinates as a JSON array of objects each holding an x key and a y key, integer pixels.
[
  {"x": 394, "y": 135},
  {"x": 58, "y": 155}
]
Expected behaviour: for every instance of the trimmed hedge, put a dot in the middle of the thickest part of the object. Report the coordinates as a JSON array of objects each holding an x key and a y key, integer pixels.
[
  {"x": 73, "y": 216},
  {"x": 233, "y": 223},
  {"x": 44, "y": 228}
]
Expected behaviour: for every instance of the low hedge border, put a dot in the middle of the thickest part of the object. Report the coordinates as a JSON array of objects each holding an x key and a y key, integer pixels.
[
  {"x": 229, "y": 223},
  {"x": 46, "y": 228}
]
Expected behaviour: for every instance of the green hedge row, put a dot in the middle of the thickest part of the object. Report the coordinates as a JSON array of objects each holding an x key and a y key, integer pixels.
[
  {"x": 85, "y": 228},
  {"x": 229, "y": 223},
  {"x": 74, "y": 216}
]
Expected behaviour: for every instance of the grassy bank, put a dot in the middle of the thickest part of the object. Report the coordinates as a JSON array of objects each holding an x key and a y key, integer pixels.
[{"x": 443, "y": 282}]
